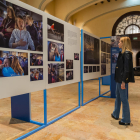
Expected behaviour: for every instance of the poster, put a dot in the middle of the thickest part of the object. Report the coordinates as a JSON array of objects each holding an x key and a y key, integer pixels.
[
  {"x": 103, "y": 57},
  {"x": 90, "y": 69},
  {"x": 76, "y": 56},
  {"x": 23, "y": 30},
  {"x": 69, "y": 64},
  {"x": 98, "y": 68},
  {"x": 13, "y": 64},
  {"x": 36, "y": 74},
  {"x": 55, "y": 30},
  {"x": 36, "y": 59},
  {"x": 55, "y": 51},
  {"x": 91, "y": 50},
  {"x": 85, "y": 69},
  {"x": 103, "y": 46},
  {"x": 94, "y": 68},
  {"x": 69, "y": 75},
  {"x": 103, "y": 69}
]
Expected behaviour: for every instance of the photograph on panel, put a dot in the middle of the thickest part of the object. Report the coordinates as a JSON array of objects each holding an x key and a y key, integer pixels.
[
  {"x": 85, "y": 69},
  {"x": 36, "y": 59},
  {"x": 103, "y": 46},
  {"x": 55, "y": 51},
  {"x": 98, "y": 68},
  {"x": 103, "y": 57},
  {"x": 36, "y": 74},
  {"x": 90, "y": 69},
  {"x": 13, "y": 63},
  {"x": 69, "y": 64},
  {"x": 114, "y": 57},
  {"x": 20, "y": 28},
  {"x": 103, "y": 69},
  {"x": 107, "y": 61},
  {"x": 108, "y": 48},
  {"x": 91, "y": 50},
  {"x": 69, "y": 75},
  {"x": 76, "y": 56},
  {"x": 94, "y": 68},
  {"x": 55, "y": 73},
  {"x": 55, "y": 30}
]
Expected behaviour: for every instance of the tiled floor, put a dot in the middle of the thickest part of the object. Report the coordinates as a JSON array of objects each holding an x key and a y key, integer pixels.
[{"x": 90, "y": 122}]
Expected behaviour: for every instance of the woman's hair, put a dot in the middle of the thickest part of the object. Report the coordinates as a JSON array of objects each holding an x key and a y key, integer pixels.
[
  {"x": 13, "y": 15},
  {"x": 30, "y": 18},
  {"x": 16, "y": 66},
  {"x": 126, "y": 44}
]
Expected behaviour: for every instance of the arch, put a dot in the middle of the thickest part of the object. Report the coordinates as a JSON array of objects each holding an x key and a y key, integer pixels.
[{"x": 121, "y": 18}]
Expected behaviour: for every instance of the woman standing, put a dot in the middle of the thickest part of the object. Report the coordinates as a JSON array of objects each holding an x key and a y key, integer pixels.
[
  {"x": 8, "y": 26},
  {"x": 123, "y": 75}
]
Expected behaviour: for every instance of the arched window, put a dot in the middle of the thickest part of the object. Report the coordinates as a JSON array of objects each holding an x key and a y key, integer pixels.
[{"x": 129, "y": 23}]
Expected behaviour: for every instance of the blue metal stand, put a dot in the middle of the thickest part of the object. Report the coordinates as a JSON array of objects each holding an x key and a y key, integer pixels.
[{"x": 106, "y": 80}]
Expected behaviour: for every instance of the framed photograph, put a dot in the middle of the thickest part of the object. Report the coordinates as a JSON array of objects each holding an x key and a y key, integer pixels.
[
  {"x": 76, "y": 56},
  {"x": 94, "y": 68},
  {"x": 85, "y": 69},
  {"x": 36, "y": 74},
  {"x": 90, "y": 69},
  {"x": 103, "y": 57},
  {"x": 23, "y": 30},
  {"x": 13, "y": 64},
  {"x": 103, "y": 46},
  {"x": 91, "y": 50},
  {"x": 55, "y": 51},
  {"x": 55, "y": 72},
  {"x": 103, "y": 69},
  {"x": 69, "y": 64},
  {"x": 69, "y": 75},
  {"x": 55, "y": 30},
  {"x": 98, "y": 68},
  {"x": 36, "y": 59}
]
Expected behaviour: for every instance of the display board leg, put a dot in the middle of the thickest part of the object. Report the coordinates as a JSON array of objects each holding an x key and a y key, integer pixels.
[
  {"x": 99, "y": 87},
  {"x": 20, "y": 107}
]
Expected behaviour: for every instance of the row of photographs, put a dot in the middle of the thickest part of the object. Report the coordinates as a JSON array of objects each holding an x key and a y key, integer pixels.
[
  {"x": 23, "y": 29},
  {"x": 105, "y": 47},
  {"x": 89, "y": 69}
]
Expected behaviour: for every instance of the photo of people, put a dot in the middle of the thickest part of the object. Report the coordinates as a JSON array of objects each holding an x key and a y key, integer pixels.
[
  {"x": 69, "y": 64},
  {"x": 103, "y": 69},
  {"x": 76, "y": 56},
  {"x": 94, "y": 68},
  {"x": 13, "y": 64},
  {"x": 36, "y": 59},
  {"x": 18, "y": 30},
  {"x": 55, "y": 51},
  {"x": 91, "y": 50},
  {"x": 85, "y": 69},
  {"x": 69, "y": 75},
  {"x": 55, "y": 73},
  {"x": 115, "y": 41},
  {"x": 55, "y": 30},
  {"x": 98, "y": 68},
  {"x": 90, "y": 68},
  {"x": 36, "y": 74},
  {"x": 103, "y": 57},
  {"x": 108, "y": 48},
  {"x": 114, "y": 57},
  {"x": 103, "y": 46}
]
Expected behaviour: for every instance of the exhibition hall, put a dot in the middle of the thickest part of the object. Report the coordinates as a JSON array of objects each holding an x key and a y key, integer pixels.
[{"x": 69, "y": 69}]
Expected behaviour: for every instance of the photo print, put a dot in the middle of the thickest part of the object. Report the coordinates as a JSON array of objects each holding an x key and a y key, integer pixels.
[
  {"x": 55, "y": 73},
  {"x": 55, "y": 30},
  {"x": 20, "y": 28},
  {"x": 69, "y": 64},
  {"x": 103, "y": 57},
  {"x": 103, "y": 69},
  {"x": 36, "y": 59},
  {"x": 107, "y": 61},
  {"x": 55, "y": 51},
  {"x": 108, "y": 48},
  {"x": 69, "y": 75},
  {"x": 90, "y": 69},
  {"x": 114, "y": 57},
  {"x": 13, "y": 64},
  {"x": 103, "y": 46},
  {"x": 91, "y": 50},
  {"x": 76, "y": 56},
  {"x": 94, "y": 68},
  {"x": 85, "y": 69},
  {"x": 98, "y": 68},
  {"x": 36, "y": 74}
]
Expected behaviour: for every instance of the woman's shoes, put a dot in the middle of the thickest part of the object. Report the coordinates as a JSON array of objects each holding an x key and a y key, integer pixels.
[
  {"x": 122, "y": 123},
  {"x": 114, "y": 117}
]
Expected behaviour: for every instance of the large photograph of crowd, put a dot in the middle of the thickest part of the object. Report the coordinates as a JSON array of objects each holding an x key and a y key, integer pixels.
[
  {"x": 20, "y": 28},
  {"x": 55, "y": 51},
  {"x": 13, "y": 64},
  {"x": 91, "y": 50},
  {"x": 55, "y": 30},
  {"x": 36, "y": 74},
  {"x": 55, "y": 73}
]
